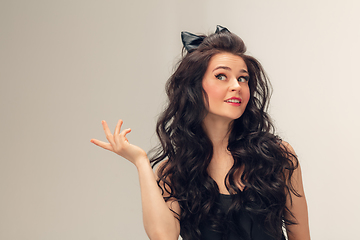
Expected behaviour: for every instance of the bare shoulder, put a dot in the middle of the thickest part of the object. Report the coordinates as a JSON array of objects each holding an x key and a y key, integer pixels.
[
  {"x": 296, "y": 178},
  {"x": 291, "y": 154},
  {"x": 164, "y": 183},
  {"x": 287, "y": 147},
  {"x": 160, "y": 169},
  {"x": 297, "y": 203},
  {"x": 166, "y": 189}
]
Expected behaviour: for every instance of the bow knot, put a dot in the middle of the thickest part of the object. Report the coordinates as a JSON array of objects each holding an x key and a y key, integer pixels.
[{"x": 192, "y": 41}]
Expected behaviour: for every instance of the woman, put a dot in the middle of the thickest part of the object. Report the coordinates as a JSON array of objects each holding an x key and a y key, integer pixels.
[{"x": 223, "y": 174}]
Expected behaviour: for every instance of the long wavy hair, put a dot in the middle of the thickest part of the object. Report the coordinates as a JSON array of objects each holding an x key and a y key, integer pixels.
[{"x": 186, "y": 150}]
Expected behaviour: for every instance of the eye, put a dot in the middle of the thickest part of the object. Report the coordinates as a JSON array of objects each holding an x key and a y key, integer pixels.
[
  {"x": 221, "y": 77},
  {"x": 243, "y": 79}
]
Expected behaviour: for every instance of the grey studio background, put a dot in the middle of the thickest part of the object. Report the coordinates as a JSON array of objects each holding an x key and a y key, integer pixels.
[{"x": 67, "y": 65}]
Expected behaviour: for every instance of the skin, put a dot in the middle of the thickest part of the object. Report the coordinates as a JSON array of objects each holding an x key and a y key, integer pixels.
[
  {"x": 298, "y": 206},
  {"x": 224, "y": 78},
  {"x": 159, "y": 221}
]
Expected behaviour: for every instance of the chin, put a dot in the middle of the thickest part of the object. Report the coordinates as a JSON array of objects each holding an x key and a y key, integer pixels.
[
  {"x": 237, "y": 116},
  {"x": 233, "y": 118}
]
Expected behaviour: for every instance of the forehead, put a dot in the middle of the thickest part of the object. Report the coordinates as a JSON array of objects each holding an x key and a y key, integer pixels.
[{"x": 235, "y": 62}]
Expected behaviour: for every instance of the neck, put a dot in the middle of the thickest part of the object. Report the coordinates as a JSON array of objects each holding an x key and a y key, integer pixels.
[{"x": 218, "y": 130}]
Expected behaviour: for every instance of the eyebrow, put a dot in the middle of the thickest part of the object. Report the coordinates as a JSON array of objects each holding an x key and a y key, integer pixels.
[{"x": 227, "y": 68}]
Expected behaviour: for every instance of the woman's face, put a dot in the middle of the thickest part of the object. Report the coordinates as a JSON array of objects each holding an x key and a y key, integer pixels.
[{"x": 226, "y": 85}]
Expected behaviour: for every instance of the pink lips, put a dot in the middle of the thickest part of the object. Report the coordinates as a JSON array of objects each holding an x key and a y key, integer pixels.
[{"x": 235, "y": 101}]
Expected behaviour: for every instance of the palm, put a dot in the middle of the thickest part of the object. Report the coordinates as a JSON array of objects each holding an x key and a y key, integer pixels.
[{"x": 119, "y": 144}]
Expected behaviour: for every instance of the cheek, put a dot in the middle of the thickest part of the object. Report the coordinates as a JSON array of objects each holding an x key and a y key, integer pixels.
[
  {"x": 213, "y": 92},
  {"x": 246, "y": 95},
  {"x": 215, "y": 95}
]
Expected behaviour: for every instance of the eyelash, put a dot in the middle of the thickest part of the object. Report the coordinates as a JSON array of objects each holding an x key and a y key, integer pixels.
[{"x": 245, "y": 78}]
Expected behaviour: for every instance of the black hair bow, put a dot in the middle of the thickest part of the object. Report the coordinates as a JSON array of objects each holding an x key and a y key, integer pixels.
[{"x": 192, "y": 41}]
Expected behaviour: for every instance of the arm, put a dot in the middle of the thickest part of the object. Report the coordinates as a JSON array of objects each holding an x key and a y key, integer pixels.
[
  {"x": 159, "y": 221},
  {"x": 298, "y": 207}
]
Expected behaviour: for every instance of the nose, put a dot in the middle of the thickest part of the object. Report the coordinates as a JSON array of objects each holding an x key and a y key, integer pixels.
[{"x": 234, "y": 85}]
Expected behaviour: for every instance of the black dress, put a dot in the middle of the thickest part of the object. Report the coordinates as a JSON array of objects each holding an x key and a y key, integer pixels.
[{"x": 251, "y": 227}]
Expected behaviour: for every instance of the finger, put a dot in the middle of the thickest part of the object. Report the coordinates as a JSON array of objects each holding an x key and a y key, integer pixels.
[
  {"x": 117, "y": 138},
  {"x": 102, "y": 144},
  {"x": 118, "y": 127},
  {"x": 108, "y": 134},
  {"x": 123, "y": 134}
]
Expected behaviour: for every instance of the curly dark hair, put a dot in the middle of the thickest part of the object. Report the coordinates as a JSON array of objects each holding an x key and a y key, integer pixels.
[{"x": 187, "y": 150}]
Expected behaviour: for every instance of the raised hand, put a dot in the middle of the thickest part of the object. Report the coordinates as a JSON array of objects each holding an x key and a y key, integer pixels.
[{"x": 119, "y": 144}]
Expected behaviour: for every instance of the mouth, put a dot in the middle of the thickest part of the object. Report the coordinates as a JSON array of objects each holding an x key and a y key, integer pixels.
[{"x": 233, "y": 100}]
